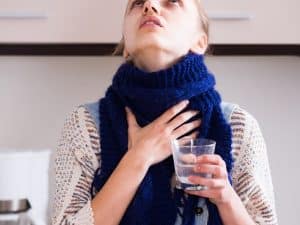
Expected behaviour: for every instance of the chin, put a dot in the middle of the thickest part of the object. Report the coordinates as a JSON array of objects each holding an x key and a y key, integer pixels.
[{"x": 149, "y": 44}]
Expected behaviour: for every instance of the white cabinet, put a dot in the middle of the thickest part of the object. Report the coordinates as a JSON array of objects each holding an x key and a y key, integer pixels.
[
  {"x": 254, "y": 22},
  {"x": 61, "y": 21},
  {"x": 100, "y": 21}
]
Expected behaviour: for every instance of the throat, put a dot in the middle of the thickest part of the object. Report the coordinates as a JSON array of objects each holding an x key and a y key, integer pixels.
[{"x": 154, "y": 61}]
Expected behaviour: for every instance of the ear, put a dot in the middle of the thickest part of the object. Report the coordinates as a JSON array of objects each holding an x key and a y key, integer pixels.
[
  {"x": 125, "y": 53},
  {"x": 201, "y": 45}
]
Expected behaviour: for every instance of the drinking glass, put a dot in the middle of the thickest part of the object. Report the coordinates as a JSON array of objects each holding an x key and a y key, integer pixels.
[{"x": 185, "y": 152}]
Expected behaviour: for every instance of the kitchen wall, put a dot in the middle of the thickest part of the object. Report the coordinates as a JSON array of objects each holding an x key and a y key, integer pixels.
[{"x": 37, "y": 93}]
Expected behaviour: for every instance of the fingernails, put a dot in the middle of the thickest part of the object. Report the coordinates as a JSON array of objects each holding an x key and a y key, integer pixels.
[{"x": 185, "y": 102}]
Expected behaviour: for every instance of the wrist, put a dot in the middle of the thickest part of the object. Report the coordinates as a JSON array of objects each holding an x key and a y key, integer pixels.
[
  {"x": 138, "y": 160},
  {"x": 229, "y": 200},
  {"x": 233, "y": 210}
]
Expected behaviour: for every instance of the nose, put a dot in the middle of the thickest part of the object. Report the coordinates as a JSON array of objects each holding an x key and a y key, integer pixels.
[{"x": 151, "y": 6}]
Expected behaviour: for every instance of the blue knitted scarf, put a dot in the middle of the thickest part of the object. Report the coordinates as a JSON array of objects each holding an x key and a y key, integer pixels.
[{"x": 148, "y": 95}]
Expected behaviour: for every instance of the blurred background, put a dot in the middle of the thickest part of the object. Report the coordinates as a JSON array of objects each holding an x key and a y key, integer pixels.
[{"x": 55, "y": 55}]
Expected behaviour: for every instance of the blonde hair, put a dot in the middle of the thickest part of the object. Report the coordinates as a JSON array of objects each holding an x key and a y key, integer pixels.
[{"x": 204, "y": 23}]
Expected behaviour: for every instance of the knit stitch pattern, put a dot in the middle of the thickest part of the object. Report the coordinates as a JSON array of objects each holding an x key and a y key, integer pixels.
[{"x": 149, "y": 95}]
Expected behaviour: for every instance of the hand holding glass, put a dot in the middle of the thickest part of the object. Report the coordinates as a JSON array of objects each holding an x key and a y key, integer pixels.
[{"x": 185, "y": 152}]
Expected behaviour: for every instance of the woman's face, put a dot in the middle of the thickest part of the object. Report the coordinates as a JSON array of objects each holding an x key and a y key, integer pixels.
[{"x": 179, "y": 31}]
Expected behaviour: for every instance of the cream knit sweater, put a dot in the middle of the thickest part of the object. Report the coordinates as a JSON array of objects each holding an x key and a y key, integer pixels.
[{"x": 78, "y": 156}]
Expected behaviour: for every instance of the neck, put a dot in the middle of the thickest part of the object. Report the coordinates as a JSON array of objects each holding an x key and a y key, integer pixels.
[{"x": 153, "y": 60}]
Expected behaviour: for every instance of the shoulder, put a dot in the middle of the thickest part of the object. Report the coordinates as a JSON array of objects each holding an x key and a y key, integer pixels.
[
  {"x": 92, "y": 109},
  {"x": 237, "y": 115},
  {"x": 245, "y": 132},
  {"x": 80, "y": 132},
  {"x": 245, "y": 121},
  {"x": 78, "y": 119},
  {"x": 83, "y": 116},
  {"x": 73, "y": 123},
  {"x": 248, "y": 144}
]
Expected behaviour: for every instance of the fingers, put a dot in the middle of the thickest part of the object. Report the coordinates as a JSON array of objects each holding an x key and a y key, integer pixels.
[
  {"x": 210, "y": 165},
  {"x": 184, "y": 140},
  {"x": 187, "y": 158},
  {"x": 218, "y": 191},
  {"x": 208, "y": 182},
  {"x": 214, "y": 170},
  {"x": 182, "y": 118},
  {"x": 173, "y": 111},
  {"x": 206, "y": 193},
  {"x": 186, "y": 128},
  {"x": 214, "y": 159},
  {"x": 130, "y": 117}
]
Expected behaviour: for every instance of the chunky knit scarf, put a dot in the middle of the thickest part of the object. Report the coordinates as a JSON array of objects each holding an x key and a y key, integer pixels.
[{"x": 148, "y": 95}]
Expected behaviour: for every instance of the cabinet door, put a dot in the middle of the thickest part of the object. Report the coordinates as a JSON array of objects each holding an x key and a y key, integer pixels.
[
  {"x": 254, "y": 22},
  {"x": 100, "y": 21},
  {"x": 61, "y": 21}
]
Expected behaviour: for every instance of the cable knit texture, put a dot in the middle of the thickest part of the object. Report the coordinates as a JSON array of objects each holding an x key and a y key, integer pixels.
[
  {"x": 149, "y": 95},
  {"x": 78, "y": 154}
]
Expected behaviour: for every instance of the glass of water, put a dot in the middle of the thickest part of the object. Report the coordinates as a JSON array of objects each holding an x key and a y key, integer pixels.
[{"x": 185, "y": 152}]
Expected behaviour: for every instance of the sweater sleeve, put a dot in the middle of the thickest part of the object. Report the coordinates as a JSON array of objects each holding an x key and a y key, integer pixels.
[
  {"x": 251, "y": 172},
  {"x": 76, "y": 159}
]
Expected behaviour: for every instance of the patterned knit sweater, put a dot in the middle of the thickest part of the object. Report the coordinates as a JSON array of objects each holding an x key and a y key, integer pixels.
[{"x": 78, "y": 156}]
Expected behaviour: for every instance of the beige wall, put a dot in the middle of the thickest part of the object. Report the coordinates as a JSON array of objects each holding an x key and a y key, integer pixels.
[{"x": 37, "y": 93}]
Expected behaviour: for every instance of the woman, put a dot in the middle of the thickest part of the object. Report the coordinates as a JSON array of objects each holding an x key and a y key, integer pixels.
[{"x": 114, "y": 164}]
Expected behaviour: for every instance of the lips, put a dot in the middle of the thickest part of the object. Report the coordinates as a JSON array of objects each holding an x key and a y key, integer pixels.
[{"x": 151, "y": 19}]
